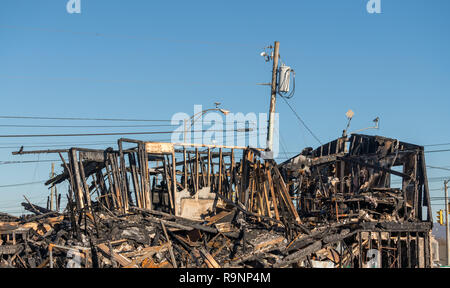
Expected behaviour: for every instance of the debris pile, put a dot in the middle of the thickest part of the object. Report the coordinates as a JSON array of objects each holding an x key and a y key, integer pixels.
[{"x": 149, "y": 205}]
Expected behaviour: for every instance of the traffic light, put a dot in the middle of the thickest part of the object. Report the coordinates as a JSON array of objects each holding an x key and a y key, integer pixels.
[{"x": 440, "y": 217}]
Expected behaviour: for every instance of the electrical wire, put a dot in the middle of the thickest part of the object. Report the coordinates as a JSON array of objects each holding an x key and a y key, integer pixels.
[
  {"x": 99, "y": 119},
  {"x": 106, "y": 134},
  {"x": 23, "y": 184},
  {"x": 126, "y": 81},
  {"x": 81, "y": 118},
  {"x": 301, "y": 121},
  {"x": 94, "y": 143},
  {"x": 441, "y": 144},
  {"x": 430, "y": 179},
  {"x": 440, "y": 168},
  {"x": 84, "y": 126},
  {"x": 94, "y": 126},
  {"x": 129, "y": 37},
  {"x": 26, "y": 162},
  {"x": 433, "y": 151},
  {"x": 438, "y": 151}
]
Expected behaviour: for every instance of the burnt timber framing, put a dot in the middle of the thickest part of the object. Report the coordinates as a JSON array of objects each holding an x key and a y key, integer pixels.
[
  {"x": 335, "y": 203},
  {"x": 352, "y": 179},
  {"x": 156, "y": 176}
]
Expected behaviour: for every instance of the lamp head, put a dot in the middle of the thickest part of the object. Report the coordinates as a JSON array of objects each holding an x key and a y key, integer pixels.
[
  {"x": 224, "y": 112},
  {"x": 349, "y": 114}
]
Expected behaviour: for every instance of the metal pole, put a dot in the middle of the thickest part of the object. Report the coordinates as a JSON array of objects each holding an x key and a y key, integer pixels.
[
  {"x": 273, "y": 97},
  {"x": 446, "y": 222}
]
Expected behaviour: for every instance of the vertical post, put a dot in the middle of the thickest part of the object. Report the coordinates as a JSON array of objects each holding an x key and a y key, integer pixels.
[
  {"x": 360, "y": 260},
  {"x": 122, "y": 177},
  {"x": 52, "y": 188},
  {"x": 399, "y": 250},
  {"x": 185, "y": 168},
  {"x": 185, "y": 130},
  {"x": 388, "y": 251},
  {"x": 446, "y": 222},
  {"x": 220, "y": 171},
  {"x": 209, "y": 168},
  {"x": 50, "y": 251},
  {"x": 273, "y": 97},
  {"x": 76, "y": 171},
  {"x": 85, "y": 186},
  {"x": 408, "y": 248},
  {"x": 174, "y": 182},
  {"x": 196, "y": 173}
]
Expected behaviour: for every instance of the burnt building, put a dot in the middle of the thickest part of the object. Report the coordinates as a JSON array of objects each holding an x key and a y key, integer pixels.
[
  {"x": 361, "y": 201},
  {"x": 378, "y": 182}
]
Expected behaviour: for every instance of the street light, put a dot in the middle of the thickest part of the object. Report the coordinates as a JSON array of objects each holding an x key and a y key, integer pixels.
[
  {"x": 199, "y": 115},
  {"x": 350, "y": 115}
]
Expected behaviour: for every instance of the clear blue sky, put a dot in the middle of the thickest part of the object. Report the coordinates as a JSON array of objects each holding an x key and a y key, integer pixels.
[{"x": 151, "y": 59}]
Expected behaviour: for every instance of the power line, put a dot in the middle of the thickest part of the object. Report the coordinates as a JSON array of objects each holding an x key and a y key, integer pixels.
[
  {"x": 105, "y": 134},
  {"x": 34, "y": 198},
  {"x": 80, "y": 118},
  {"x": 23, "y": 184},
  {"x": 60, "y": 145},
  {"x": 438, "y": 151},
  {"x": 301, "y": 121},
  {"x": 129, "y": 37},
  {"x": 122, "y": 81},
  {"x": 70, "y": 144},
  {"x": 52, "y": 143},
  {"x": 84, "y": 126},
  {"x": 98, "y": 119},
  {"x": 95, "y": 126},
  {"x": 441, "y": 144},
  {"x": 433, "y": 151},
  {"x": 430, "y": 179},
  {"x": 440, "y": 168},
  {"x": 25, "y": 162}
]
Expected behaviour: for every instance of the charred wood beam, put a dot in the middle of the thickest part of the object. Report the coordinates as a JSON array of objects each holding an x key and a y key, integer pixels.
[
  {"x": 7, "y": 216},
  {"x": 245, "y": 211},
  {"x": 299, "y": 255},
  {"x": 374, "y": 166},
  {"x": 40, "y": 152},
  {"x": 179, "y": 220},
  {"x": 40, "y": 216},
  {"x": 36, "y": 209},
  {"x": 393, "y": 226}
]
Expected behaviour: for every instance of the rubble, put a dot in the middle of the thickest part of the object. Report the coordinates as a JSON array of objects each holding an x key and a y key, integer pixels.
[{"x": 153, "y": 205}]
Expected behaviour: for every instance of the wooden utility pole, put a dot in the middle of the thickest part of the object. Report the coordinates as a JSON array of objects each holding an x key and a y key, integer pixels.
[{"x": 273, "y": 96}]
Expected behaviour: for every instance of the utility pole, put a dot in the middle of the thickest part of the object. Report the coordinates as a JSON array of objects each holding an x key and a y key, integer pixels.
[
  {"x": 446, "y": 222},
  {"x": 273, "y": 96}
]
